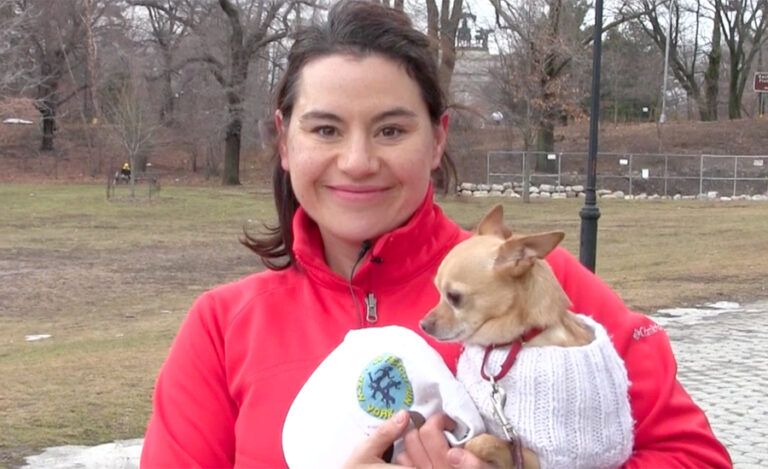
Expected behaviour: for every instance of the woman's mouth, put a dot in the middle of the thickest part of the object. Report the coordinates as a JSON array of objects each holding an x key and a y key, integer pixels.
[{"x": 358, "y": 193}]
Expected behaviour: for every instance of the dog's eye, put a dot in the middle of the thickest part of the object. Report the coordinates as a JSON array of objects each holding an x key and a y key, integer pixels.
[{"x": 453, "y": 298}]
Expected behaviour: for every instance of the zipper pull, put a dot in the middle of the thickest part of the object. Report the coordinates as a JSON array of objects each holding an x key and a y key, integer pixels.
[{"x": 371, "y": 313}]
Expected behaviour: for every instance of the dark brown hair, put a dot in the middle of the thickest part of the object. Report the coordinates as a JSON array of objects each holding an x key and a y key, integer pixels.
[{"x": 358, "y": 28}]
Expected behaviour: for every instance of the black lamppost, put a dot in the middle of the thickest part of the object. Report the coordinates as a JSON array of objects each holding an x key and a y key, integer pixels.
[{"x": 590, "y": 212}]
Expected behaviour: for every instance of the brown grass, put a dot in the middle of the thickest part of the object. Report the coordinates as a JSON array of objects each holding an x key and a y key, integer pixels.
[{"x": 111, "y": 283}]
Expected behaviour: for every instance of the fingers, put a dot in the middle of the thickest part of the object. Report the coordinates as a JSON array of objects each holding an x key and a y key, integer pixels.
[
  {"x": 463, "y": 459},
  {"x": 370, "y": 450},
  {"x": 426, "y": 447}
]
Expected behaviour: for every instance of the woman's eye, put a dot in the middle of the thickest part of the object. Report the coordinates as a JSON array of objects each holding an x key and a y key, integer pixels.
[
  {"x": 326, "y": 131},
  {"x": 391, "y": 132},
  {"x": 454, "y": 299}
]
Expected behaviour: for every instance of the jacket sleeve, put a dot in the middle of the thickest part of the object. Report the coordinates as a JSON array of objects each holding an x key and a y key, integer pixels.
[
  {"x": 671, "y": 431},
  {"x": 193, "y": 417}
]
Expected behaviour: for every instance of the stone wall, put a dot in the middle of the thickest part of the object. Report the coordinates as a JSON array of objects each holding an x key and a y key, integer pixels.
[{"x": 549, "y": 191}]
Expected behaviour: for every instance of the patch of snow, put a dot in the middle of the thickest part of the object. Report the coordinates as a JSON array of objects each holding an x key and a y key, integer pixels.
[
  {"x": 690, "y": 316},
  {"x": 15, "y": 121},
  {"x": 121, "y": 454},
  {"x": 36, "y": 337}
]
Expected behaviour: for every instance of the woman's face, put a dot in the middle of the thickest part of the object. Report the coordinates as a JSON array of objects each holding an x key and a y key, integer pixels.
[{"x": 359, "y": 147}]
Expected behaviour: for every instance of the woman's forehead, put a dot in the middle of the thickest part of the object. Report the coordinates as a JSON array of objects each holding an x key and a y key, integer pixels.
[{"x": 351, "y": 81}]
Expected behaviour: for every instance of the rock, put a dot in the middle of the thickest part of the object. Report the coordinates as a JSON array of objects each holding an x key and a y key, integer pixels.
[
  {"x": 533, "y": 190},
  {"x": 545, "y": 195},
  {"x": 497, "y": 187},
  {"x": 725, "y": 199},
  {"x": 712, "y": 194},
  {"x": 465, "y": 193},
  {"x": 468, "y": 186},
  {"x": 507, "y": 185},
  {"x": 602, "y": 192},
  {"x": 483, "y": 187},
  {"x": 559, "y": 195},
  {"x": 547, "y": 188},
  {"x": 578, "y": 188},
  {"x": 480, "y": 194},
  {"x": 677, "y": 197},
  {"x": 495, "y": 193},
  {"x": 619, "y": 194},
  {"x": 534, "y": 195}
]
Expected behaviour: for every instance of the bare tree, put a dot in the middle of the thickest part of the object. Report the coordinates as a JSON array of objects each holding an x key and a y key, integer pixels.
[
  {"x": 543, "y": 33},
  {"x": 129, "y": 124},
  {"x": 743, "y": 24},
  {"x": 442, "y": 24},
  {"x": 251, "y": 27},
  {"x": 686, "y": 49},
  {"x": 53, "y": 33},
  {"x": 167, "y": 27},
  {"x": 17, "y": 69}
]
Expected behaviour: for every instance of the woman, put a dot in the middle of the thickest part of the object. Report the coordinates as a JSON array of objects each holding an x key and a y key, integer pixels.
[{"x": 361, "y": 126}]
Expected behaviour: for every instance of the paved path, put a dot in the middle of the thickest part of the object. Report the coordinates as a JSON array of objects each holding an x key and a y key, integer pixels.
[
  {"x": 722, "y": 354},
  {"x": 722, "y": 351}
]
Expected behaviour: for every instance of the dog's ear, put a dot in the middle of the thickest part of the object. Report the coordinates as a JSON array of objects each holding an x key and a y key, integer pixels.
[
  {"x": 492, "y": 223},
  {"x": 517, "y": 255}
]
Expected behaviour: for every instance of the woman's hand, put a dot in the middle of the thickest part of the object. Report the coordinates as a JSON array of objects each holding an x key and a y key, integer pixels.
[
  {"x": 369, "y": 453},
  {"x": 426, "y": 447}
]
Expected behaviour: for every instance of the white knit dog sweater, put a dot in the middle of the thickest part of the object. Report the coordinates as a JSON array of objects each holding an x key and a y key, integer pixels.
[{"x": 569, "y": 405}]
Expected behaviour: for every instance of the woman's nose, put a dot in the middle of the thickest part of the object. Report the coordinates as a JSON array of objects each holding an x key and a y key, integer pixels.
[{"x": 358, "y": 158}]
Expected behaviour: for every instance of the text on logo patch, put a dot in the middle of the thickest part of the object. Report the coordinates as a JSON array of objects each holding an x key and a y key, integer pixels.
[{"x": 383, "y": 387}]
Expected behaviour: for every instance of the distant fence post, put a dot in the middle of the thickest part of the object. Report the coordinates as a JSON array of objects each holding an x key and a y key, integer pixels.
[{"x": 701, "y": 174}]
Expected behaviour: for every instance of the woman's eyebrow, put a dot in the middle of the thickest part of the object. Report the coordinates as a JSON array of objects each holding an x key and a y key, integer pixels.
[
  {"x": 329, "y": 116},
  {"x": 395, "y": 112},
  {"x": 319, "y": 115}
]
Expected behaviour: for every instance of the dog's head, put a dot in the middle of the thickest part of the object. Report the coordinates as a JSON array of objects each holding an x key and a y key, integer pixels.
[{"x": 494, "y": 286}]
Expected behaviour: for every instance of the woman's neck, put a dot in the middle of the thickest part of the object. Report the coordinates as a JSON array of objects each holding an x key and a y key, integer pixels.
[{"x": 341, "y": 256}]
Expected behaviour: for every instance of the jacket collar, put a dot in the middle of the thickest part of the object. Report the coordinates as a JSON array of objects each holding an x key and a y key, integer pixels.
[{"x": 399, "y": 255}]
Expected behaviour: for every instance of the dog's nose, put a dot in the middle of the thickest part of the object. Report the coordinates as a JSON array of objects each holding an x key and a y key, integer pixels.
[{"x": 427, "y": 325}]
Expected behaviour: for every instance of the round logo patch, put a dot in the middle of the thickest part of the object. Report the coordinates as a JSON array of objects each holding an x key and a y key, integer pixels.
[{"x": 383, "y": 387}]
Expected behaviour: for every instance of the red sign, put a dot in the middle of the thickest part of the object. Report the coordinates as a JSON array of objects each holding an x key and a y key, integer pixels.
[{"x": 761, "y": 82}]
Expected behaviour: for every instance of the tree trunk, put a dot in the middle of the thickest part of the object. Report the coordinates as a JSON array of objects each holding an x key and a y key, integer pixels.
[
  {"x": 48, "y": 111},
  {"x": 712, "y": 74},
  {"x": 545, "y": 144},
  {"x": 231, "y": 176},
  {"x": 734, "y": 97},
  {"x": 167, "y": 108}
]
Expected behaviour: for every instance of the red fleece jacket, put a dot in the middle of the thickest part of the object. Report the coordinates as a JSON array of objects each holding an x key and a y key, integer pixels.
[{"x": 246, "y": 348}]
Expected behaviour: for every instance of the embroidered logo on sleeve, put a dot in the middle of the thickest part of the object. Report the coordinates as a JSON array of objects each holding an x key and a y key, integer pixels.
[
  {"x": 383, "y": 387},
  {"x": 645, "y": 331}
]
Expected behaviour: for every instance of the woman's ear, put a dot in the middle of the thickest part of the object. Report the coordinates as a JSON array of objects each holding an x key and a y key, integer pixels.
[
  {"x": 282, "y": 143},
  {"x": 441, "y": 139}
]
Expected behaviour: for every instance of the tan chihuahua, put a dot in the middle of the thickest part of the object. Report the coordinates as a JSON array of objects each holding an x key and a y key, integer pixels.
[{"x": 495, "y": 288}]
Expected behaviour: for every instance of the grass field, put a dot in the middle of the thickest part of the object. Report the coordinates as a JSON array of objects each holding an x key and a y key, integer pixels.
[{"x": 111, "y": 282}]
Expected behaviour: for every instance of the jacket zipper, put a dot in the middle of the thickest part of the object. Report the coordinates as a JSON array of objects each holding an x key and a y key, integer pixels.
[{"x": 371, "y": 311}]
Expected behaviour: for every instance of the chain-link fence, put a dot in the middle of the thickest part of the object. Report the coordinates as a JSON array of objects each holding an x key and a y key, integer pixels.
[{"x": 636, "y": 173}]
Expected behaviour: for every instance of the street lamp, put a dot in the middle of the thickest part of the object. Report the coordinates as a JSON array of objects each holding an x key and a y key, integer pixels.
[{"x": 590, "y": 212}]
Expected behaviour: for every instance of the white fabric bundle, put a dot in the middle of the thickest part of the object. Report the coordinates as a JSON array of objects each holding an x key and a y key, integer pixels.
[
  {"x": 570, "y": 405},
  {"x": 370, "y": 376}
]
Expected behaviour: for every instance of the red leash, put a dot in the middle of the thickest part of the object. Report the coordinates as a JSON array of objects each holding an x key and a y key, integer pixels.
[{"x": 514, "y": 350}]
